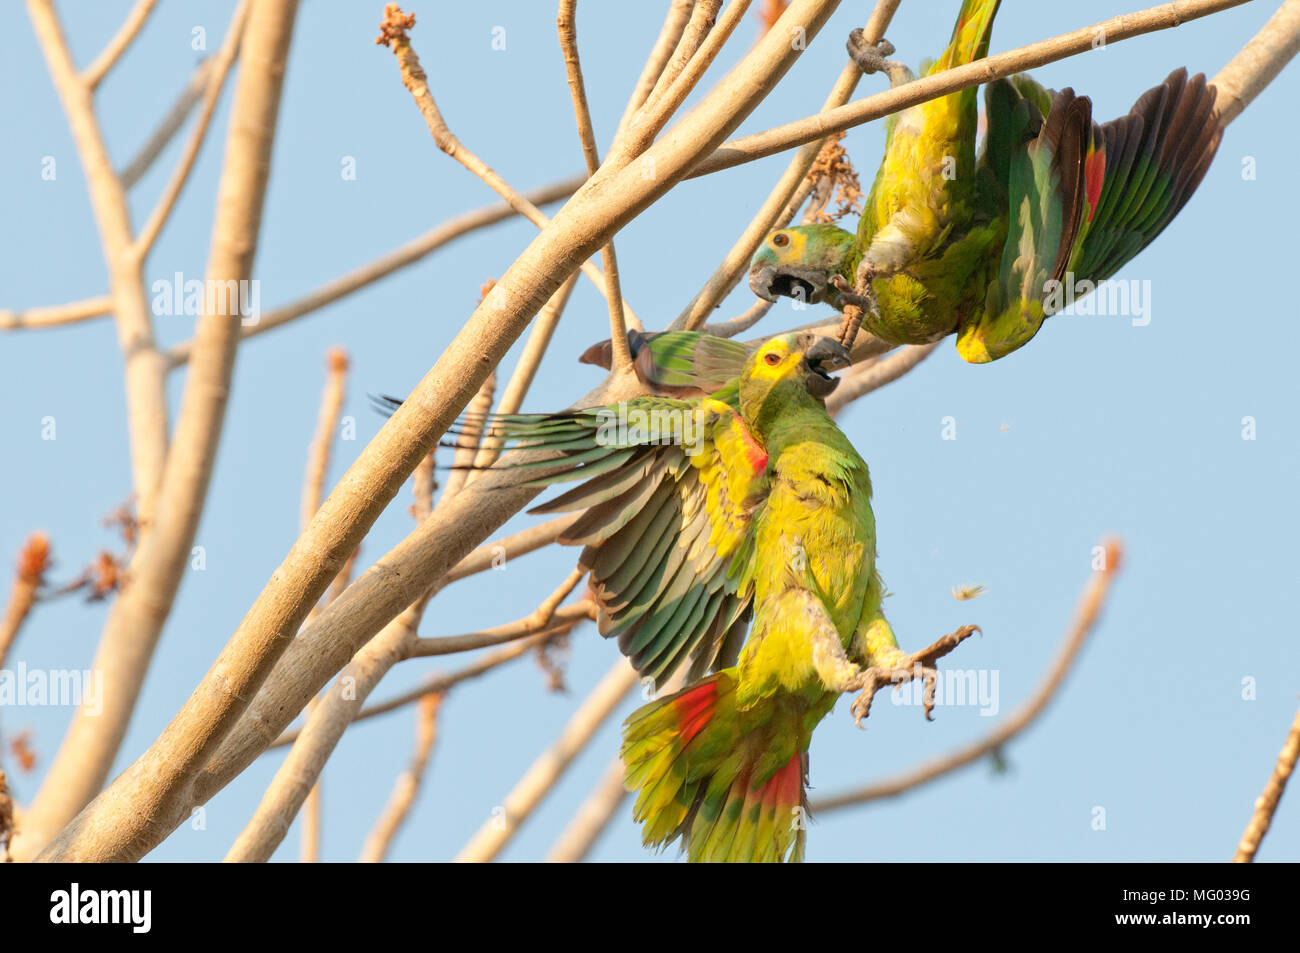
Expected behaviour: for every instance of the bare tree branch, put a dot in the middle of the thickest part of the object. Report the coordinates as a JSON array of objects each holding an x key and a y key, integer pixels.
[
  {"x": 679, "y": 12},
  {"x": 538, "y": 781},
  {"x": 443, "y": 683},
  {"x": 1266, "y": 804},
  {"x": 318, "y": 456},
  {"x": 781, "y": 203},
  {"x": 55, "y": 315},
  {"x": 407, "y": 254},
  {"x": 225, "y": 58},
  {"x": 546, "y": 617},
  {"x": 1085, "y": 619},
  {"x": 145, "y": 377},
  {"x": 592, "y": 817},
  {"x": 94, "y": 74},
  {"x": 407, "y": 788},
  {"x": 866, "y": 378},
  {"x": 33, "y": 560},
  {"x": 136, "y": 618},
  {"x": 568, "y": 30}
]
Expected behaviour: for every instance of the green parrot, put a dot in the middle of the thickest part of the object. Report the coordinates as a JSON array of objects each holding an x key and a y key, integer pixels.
[
  {"x": 698, "y": 514},
  {"x": 986, "y": 246}
]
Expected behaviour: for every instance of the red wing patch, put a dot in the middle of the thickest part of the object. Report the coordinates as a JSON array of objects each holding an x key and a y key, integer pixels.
[{"x": 1094, "y": 174}]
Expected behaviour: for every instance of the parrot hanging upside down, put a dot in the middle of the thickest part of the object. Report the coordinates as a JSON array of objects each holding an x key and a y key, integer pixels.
[
  {"x": 696, "y": 514},
  {"x": 949, "y": 242}
]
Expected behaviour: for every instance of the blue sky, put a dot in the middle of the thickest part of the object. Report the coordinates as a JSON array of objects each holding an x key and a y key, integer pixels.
[{"x": 1099, "y": 426}]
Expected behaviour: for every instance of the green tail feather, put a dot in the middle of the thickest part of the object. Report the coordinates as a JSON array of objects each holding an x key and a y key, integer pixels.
[{"x": 728, "y": 782}]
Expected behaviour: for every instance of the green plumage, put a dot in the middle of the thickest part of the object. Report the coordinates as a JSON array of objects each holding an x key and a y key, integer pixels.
[
  {"x": 949, "y": 242},
  {"x": 748, "y": 502}
]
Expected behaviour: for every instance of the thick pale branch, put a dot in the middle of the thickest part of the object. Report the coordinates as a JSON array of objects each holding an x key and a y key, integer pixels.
[
  {"x": 440, "y": 684},
  {"x": 544, "y": 618},
  {"x": 1258, "y": 62},
  {"x": 869, "y": 377},
  {"x": 145, "y": 374}
]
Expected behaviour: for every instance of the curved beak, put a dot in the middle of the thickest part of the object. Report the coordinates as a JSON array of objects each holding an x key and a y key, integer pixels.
[
  {"x": 770, "y": 280},
  {"x": 823, "y": 356}
]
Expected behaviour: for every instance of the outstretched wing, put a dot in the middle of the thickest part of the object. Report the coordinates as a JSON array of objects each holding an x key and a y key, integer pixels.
[
  {"x": 678, "y": 363},
  {"x": 1085, "y": 198},
  {"x": 1040, "y": 165},
  {"x": 1154, "y": 158},
  {"x": 669, "y": 492}
]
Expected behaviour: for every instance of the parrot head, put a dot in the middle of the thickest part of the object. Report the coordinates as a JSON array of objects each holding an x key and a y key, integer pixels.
[
  {"x": 798, "y": 262},
  {"x": 785, "y": 371}
]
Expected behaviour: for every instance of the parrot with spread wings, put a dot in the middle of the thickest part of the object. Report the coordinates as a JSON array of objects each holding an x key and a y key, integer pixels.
[
  {"x": 989, "y": 246},
  {"x": 699, "y": 515}
]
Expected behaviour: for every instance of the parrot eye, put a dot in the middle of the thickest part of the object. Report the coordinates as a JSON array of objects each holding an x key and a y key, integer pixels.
[
  {"x": 772, "y": 358},
  {"x": 780, "y": 239}
]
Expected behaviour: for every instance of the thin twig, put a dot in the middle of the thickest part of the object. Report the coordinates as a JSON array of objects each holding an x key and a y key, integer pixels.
[
  {"x": 785, "y": 198},
  {"x": 94, "y": 74},
  {"x": 741, "y": 323},
  {"x": 54, "y": 315},
  {"x": 170, "y": 124},
  {"x": 545, "y": 617},
  {"x": 417, "y": 83},
  {"x": 592, "y": 817},
  {"x": 1266, "y": 803},
  {"x": 33, "y": 560},
  {"x": 539, "y": 339},
  {"x": 327, "y": 421},
  {"x": 497, "y": 553},
  {"x": 566, "y": 24},
  {"x": 225, "y": 57},
  {"x": 136, "y": 618},
  {"x": 672, "y": 88},
  {"x": 1085, "y": 619},
  {"x": 550, "y": 766},
  {"x": 869, "y": 377},
  {"x": 318, "y": 456},
  {"x": 679, "y": 13},
  {"x": 407, "y": 787},
  {"x": 385, "y": 265}
]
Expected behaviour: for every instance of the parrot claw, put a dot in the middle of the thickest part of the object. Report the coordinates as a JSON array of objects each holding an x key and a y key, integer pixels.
[
  {"x": 850, "y": 298},
  {"x": 903, "y": 668},
  {"x": 871, "y": 57}
]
